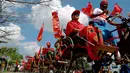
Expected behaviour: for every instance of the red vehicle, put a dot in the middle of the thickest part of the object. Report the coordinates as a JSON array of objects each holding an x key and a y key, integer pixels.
[{"x": 75, "y": 47}]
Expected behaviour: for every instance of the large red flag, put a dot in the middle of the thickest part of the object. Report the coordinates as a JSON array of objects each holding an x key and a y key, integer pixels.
[
  {"x": 88, "y": 10},
  {"x": 56, "y": 25},
  {"x": 117, "y": 9},
  {"x": 39, "y": 38}
]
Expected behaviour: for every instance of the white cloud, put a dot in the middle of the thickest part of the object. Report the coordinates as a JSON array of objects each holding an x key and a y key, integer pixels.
[
  {"x": 14, "y": 33},
  {"x": 29, "y": 48},
  {"x": 42, "y": 13}
]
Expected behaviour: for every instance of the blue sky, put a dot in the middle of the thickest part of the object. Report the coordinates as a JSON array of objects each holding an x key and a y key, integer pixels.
[
  {"x": 78, "y": 4},
  {"x": 37, "y": 14},
  {"x": 30, "y": 32}
]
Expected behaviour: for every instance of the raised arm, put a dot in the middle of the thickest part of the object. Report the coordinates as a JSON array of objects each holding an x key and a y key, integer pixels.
[
  {"x": 97, "y": 12},
  {"x": 114, "y": 24}
]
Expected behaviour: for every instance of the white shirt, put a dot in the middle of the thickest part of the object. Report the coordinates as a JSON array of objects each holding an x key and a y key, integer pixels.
[{"x": 99, "y": 18}]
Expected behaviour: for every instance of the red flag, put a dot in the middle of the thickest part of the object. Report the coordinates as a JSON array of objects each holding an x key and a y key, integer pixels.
[
  {"x": 88, "y": 10},
  {"x": 117, "y": 9},
  {"x": 56, "y": 25},
  {"x": 57, "y": 34},
  {"x": 39, "y": 38},
  {"x": 39, "y": 51}
]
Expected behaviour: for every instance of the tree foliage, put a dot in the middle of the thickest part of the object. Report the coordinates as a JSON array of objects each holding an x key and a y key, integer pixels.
[
  {"x": 12, "y": 53},
  {"x": 9, "y": 13}
]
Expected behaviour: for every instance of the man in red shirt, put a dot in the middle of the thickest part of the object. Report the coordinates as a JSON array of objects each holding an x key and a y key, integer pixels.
[
  {"x": 48, "y": 52},
  {"x": 47, "y": 49},
  {"x": 74, "y": 25},
  {"x": 88, "y": 32}
]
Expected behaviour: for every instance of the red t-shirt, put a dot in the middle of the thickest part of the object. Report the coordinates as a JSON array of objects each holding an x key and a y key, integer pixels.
[
  {"x": 72, "y": 25},
  {"x": 45, "y": 50}
]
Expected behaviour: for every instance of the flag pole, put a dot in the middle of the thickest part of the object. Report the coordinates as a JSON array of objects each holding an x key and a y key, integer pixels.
[
  {"x": 39, "y": 39},
  {"x": 41, "y": 47}
]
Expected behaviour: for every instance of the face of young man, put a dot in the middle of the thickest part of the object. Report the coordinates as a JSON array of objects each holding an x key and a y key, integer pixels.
[
  {"x": 104, "y": 6},
  {"x": 75, "y": 17}
]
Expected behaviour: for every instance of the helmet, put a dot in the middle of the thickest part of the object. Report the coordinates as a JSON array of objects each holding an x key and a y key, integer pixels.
[
  {"x": 76, "y": 12},
  {"x": 104, "y": 2},
  {"x": 48, "y": 44}
]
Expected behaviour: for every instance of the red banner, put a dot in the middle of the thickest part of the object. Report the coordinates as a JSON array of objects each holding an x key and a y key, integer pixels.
[
  {"x": 117, "y": 9},
  {"x": 39, "y": 38},
  {"x": 56, "y": 25},
  {"x": 88, "y": 10}
]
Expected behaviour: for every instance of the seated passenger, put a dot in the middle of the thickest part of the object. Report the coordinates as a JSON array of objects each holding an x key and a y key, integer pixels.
[
  {"x": 74, "y": 25},
  {"x": 91, "y": 34}
]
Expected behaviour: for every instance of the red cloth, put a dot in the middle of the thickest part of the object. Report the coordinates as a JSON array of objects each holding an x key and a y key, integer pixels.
[
  {"x": 72, "y": 25},
  {"x": 88, "y": 10},
  {"x": 28, "y": 65},
  {"x": 90, "y": 33},
  {"x": 56, "y": 25},
  {"x": 39, "y": 38},
  {"x": 117, "y": 9}
]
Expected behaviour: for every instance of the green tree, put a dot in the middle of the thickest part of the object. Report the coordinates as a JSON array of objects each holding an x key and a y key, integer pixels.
[{"x": 11, "y": 52}]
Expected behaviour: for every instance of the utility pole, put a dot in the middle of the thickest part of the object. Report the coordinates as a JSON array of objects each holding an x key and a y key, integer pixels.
[{"x": 0, "y": 6}]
